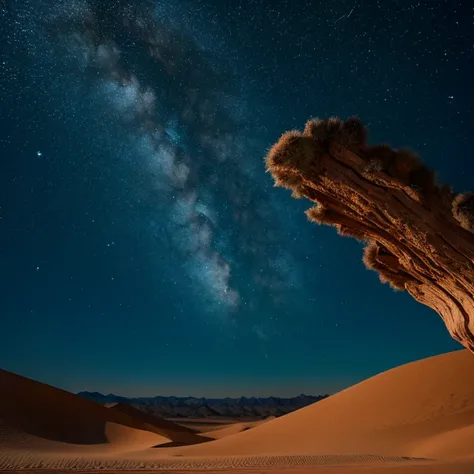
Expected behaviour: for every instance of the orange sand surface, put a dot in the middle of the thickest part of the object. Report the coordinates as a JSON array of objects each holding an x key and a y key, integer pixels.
[
  {"x": 415, "y": 418},
  {"x": 387, "y": 468}
]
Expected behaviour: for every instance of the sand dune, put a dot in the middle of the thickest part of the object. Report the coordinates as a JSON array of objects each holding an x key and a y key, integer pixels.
[
  {"x": 208, "y": 424},
  {"x": 417, "y": 418},
  {"x": 33, "y": 409},
  {"x": 233, "y": 429},
  {"x": 174, "y": 432},
  {"x": 422, "y": 409}
]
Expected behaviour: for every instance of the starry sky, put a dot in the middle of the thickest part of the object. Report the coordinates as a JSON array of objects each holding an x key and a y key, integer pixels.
[{"x": 143, "y": 248}]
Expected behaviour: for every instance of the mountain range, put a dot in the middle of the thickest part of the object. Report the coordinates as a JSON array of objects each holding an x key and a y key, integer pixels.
[{"x": 190, "y": 407}]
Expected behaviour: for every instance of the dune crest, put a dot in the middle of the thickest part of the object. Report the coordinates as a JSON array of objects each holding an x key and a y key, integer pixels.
[
  {"x": 174, "y": 432},
  {"x": 421, "y": 409},
  {"x": 34, "y": 410}
]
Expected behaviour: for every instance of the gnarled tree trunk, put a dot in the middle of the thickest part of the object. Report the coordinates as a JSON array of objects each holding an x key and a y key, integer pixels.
[{"x": 420, "y": 236}]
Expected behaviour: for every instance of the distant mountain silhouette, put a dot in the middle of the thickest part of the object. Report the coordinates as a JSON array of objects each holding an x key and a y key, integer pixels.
[{"x": 189, "y": 407}]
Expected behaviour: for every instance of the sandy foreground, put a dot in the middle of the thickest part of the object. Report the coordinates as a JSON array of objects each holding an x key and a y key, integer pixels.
[{"x": 417, "y": 418}]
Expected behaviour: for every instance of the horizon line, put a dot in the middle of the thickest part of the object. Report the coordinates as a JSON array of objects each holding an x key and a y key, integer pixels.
[{"x": 192, "y": 396}]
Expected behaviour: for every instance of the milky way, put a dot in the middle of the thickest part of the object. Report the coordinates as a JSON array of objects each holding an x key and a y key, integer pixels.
[{"x": 185, "y": 119}]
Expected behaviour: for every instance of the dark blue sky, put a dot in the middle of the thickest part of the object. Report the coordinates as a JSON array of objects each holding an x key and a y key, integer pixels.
[{"x": 143, "y": 248}]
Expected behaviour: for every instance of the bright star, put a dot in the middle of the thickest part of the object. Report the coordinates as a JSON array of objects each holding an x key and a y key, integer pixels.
[{"x": 39, "y": 153}]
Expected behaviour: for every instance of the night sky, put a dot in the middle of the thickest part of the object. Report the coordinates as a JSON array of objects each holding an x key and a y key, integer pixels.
[{"x": 143, "y": 248}]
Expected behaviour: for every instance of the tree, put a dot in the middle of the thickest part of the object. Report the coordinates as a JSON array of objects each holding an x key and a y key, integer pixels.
[{"x": 419, "y": 235}]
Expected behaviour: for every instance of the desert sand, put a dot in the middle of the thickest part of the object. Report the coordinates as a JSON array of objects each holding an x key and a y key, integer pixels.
[{"x": 417, "y": 418}]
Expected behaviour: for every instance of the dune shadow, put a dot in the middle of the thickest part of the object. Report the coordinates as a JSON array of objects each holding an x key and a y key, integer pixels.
[
  {"x": 175, "y": 444},
  {"x": 65, "y": 428}
]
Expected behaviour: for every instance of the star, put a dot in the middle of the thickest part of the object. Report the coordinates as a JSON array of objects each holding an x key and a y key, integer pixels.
[{"x": 38, "y": 153}]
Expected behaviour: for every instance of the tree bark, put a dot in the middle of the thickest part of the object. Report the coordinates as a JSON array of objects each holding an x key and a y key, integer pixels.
[{"x": 420, "y": 236}]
